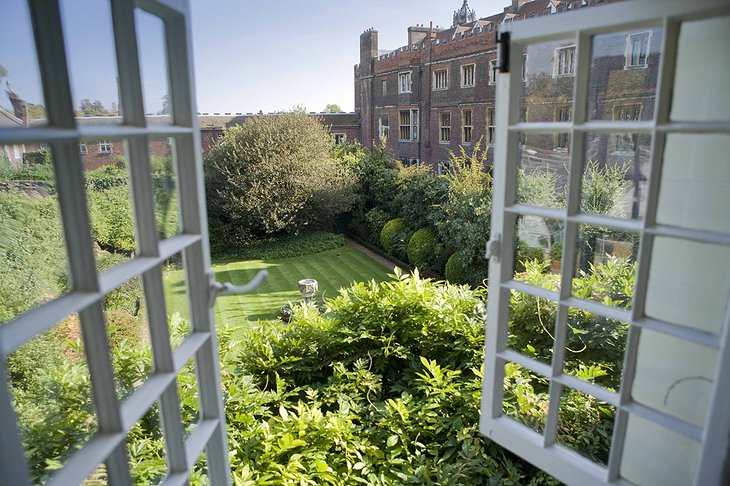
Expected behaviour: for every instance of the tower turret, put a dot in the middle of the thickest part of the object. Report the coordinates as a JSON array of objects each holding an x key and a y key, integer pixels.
[{"x": 464, "y": 15}]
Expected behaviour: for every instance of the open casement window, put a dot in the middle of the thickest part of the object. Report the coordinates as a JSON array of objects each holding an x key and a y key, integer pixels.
[
  {"x": 85, "y": 299},
  {"x": 602, "y": 382}
]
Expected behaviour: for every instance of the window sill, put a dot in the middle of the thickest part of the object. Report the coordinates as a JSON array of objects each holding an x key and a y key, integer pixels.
[{"x": 467, "y": 86}]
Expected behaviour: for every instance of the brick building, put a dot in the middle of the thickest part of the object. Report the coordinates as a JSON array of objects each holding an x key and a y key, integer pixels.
[{"x": 437, "y": 93}]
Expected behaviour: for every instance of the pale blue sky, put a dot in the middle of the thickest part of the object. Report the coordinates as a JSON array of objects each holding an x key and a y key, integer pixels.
[{"x": 250, "y": 55}]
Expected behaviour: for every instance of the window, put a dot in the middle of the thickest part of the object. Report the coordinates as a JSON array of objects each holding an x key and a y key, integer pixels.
[
  {"x": 466, "y": 126},
  {"x": 444, "y": 167},
  {"x": 563, "y": 114},
  {"x": 524, "y": 67},
  {"x": 637, "y": 49},
  {"x": 405, "y": 83},
  {"x": 445, "y": 127},
  {"x": 411, "y": 162},
  {"x": 493, "y": 71},
  {"x": 625, "y": 142},
  {"x": 565, "y": 61},
  {"x": 105, "y": 147},
  {"x": 384, "y": 87},
  {"x": 440, "y": 79},
  {"x": 383, "y": 128},
  {"x": 490, "y": 125},
  {"x": 408, "y": 129},
  {"x": 467, "y": 75},
  {"x": 83, "y": 149},
  {"x": 340, "y": 138}
]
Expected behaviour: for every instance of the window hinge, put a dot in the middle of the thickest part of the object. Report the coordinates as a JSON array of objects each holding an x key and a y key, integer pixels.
[
  {"x": 217, "y": 288},
  {"x": 494, "y": 247},
  {"x": 503, "y": 42}
]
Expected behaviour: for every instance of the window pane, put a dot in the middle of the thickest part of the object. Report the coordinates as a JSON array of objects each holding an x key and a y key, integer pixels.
[
  {"x": 92, "y": 65},
  {"x": 606, "y": 265},
  {"x": 176, "y": 299},
  {"x": 153, "y": 66},
  {"x": 615, "y": 175},
  {"x": 698, "y": 298},
  {"x": 525, "y": 396},
  {"x": 24, "y": 104},
  {"x": 702, "y": 73},
  {"x": 164, "y": 180},
  {"x": 549, "y": 73},
  {"x": 655, "y": 456},
  {"x": 585, "y": 424},
  {"x": 674, "y": 376},
  {"x": 624, "y": 68},
  {"x": 538, "y": 251},
  {"x": 543, "y": 171},
  {"x": 187, "y": 390},
  {"x": 531, "y": 326},
  {"x": 695, "y": 180}
]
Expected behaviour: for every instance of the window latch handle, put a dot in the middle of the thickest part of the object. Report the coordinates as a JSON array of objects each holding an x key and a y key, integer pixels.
[
  {"x": 494, "y": 247},
  {"x": 227, "y": 288}
]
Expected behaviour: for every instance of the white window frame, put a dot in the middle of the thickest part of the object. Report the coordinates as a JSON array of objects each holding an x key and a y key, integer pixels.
[
  {"x": 445, "y": 128},
  {"x": 383, "y": 128},
  {"x": 405, "y": 82},
  {"x": 564, "y": 68},
  {"x": 490, "y": 126},
  {"x": 86, "y": 297},
  {"x": 628, "y": 56},
  {"x": 443, "y": 167},
  {"x": 492, "y": 71},
  {"x": 412, "y": 125},
  {"x": 83, "y": 149},
  {"x": 468, "y": 79},
  {"x": 105, "y": 147},
  {"x": 339, "y": 138},
  {"x": 440, "y": 79},
  {"x": 524, "y": 67},
  {"x": 467, "y": 128},
  {"x": 542, "y": 449}
]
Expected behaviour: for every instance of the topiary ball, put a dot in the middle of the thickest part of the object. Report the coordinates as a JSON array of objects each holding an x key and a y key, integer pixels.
[
  {"x": 454, "y": 272},
  {"x": 423, "y": 248},
  {"x": 387, "y": 234}
]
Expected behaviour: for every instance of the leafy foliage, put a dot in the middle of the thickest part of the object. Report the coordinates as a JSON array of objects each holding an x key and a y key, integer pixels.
[
  {"x": 454, "y": 272},
  {"x": 286, "y": 246},
  {"x": 390, "y": 231},
  {"x": 423, "y": 248},
  {"x": 420, "y": 196}
]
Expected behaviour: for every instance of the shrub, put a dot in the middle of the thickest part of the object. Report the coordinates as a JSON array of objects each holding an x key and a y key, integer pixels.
[
  {"x": 111, "y": 218},
  {"x": 375, "y": 219},
  {"x": 526, "y": 253},
  {"x": 389, "y": 232},
  {"x": 454, "y": 272},
  {"x": 423, "y": 248},
  {"x": 420, "y": 196},
  {"x": 276, "y": 174},
  {"x": 556, "y": 251},
  {"x": 124, "y": 328},
  {"x": 286, "y": 246}
]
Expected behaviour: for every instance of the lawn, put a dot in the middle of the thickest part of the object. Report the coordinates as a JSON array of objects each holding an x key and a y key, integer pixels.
[{"x": 333, "y": 269}]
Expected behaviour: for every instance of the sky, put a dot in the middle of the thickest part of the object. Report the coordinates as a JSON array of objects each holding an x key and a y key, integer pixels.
[{"x": 249, "y": 55}]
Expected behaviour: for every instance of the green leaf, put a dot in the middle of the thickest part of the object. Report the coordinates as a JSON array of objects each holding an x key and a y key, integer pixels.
[{"x": 392, "y": 440}]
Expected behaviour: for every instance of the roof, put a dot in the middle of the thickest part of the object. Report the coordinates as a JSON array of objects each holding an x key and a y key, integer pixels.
[{"x": 8, "y": 119}]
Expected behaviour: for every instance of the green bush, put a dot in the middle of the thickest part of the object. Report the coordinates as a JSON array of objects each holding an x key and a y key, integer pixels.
[
  {"x": 111, "y": 218},
  {"x": 423, "y": 248},
  {"x": 454, "y": 272},
  {"x": 128, "y": 297},
  {"x": 420, "y": 196},
  {"x": 283, "y": 246},
  {"x": 525, "y": 253},
  {"x": 375, "y": 220},
  {"x": 389, "y": 232},
  {"x": 124, "y": 328}
]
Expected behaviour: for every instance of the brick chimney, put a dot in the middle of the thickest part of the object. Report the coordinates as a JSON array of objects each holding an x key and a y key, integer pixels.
[
  {"x": 368, "y": 50},
  {"x": 19, "y": 106},
  {"x": 516, "y": 4}
]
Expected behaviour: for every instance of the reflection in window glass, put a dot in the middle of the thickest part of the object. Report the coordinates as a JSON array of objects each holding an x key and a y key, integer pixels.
[
  {"x": 153, "y": 67},
  {"x": 548, "y": 70},
  {"x": 542, "y": 176},
  {"x": 525, "y": 396}
]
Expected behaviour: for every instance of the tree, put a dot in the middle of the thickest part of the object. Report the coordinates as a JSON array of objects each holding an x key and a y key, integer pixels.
[
  {"x": 276, "y": 174},
  {"x": 92, "y": 108},
  {"x": 332, "y": 108},
  {"x": 36, "y": 111},
  {"x": 165, "y": 106},
  {"x": 3, "y": 72}
]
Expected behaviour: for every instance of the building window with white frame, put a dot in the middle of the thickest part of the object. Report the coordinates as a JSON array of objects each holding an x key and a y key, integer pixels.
[
  {"x": 467, "y": 75},
  {"x": 444, "y": 167},
  {"x": 383, "y": 128},
  {"x": 466, "y": 127},
  {"x": 340, "y": 138},
  {"x": 625, "y": 142},
  {"x": 524, "y": 67},
  {"x": 405, "y": 83},
  {"x": 563, "y": 114},
  {"x": 493, "y": 71},
  {"x": 105, "y": 147},
  {"x": 384, "y": 87},
  {"x": 445, "y": 127},
  {"x": 637, "y": 49},
  {"x": 490, "y": 125},
  {"x": 83, "y": 149},
  {"x": 408, "y": 125},
  {"x": 565, "y": 61},
  {"x": 440, "y": 79}
]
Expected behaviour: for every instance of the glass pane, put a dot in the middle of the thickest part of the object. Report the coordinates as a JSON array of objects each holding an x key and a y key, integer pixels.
[
  {"x": 623, "y": 75},
  {"x": 531, "y": 326},
  {"x": 92, "y": 65},
  {"x": 699, "y": 298},
  {"x": 526, "y": 396},
  {"x": 543, "y": 170},
  {"x": 674, "y": 376},
  {"x": 548, "y": 71},
  {"x": 585, "y": 425},
  {"x": 539, "y": 244},
  {"x": 51, "y": 390},
  {"x": 702, "y": 73},
  {"x": 176, "y": 298},
  {"x": 153, "y": 66},
  {"x": 110, "y": 201},
  {"x": 164, "y": 180},
  {"x": 187, "y": 389},
  {"x": 32, "y": 249},
  {"x": 595, "y": 348},
  {"x": 655, "y": 456},
  {"x": 146, "y": 449},
  {"x": 615, "y": 175},
  {"x": 21, "y": 99},
  {"x": 606, "y": 265},
  {"x": 695, "y": 180}
]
